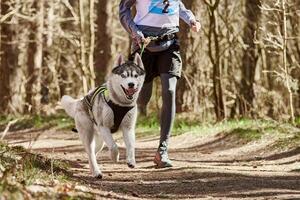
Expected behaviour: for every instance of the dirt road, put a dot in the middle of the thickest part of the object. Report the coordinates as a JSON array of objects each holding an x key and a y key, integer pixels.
[{"x": 213, "y": 167}]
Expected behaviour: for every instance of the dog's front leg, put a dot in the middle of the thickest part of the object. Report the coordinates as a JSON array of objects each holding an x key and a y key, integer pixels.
[
  {"x": 112, "y": 146},
  {"x": 129, "y": 139}
]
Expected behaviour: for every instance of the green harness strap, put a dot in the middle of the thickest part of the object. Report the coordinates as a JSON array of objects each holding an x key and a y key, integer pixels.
[
  {"x": 100, "y": 89},
  {"x": 90, "y": 101}
]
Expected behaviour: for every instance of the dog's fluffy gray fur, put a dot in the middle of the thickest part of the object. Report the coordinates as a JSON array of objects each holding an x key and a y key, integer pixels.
[{"x": 94, "y": 136}]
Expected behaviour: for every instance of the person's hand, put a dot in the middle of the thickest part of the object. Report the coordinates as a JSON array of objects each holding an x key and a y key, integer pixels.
[
  {"x": 146, "y": 41},
  {"x": 138, "y": 38},
  {"x": 196, "y": 26}
]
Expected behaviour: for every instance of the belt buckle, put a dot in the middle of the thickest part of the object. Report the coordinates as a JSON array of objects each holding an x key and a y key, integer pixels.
[
  {"x": 170, "y": 36},
  {"x": 166, "y": 37}
]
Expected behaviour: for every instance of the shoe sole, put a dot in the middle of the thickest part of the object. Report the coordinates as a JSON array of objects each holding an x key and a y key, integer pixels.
[{"x": 160, "y": 164}]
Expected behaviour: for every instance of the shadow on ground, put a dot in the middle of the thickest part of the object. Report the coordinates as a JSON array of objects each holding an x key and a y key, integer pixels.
[{"x": 202, "y": 170}]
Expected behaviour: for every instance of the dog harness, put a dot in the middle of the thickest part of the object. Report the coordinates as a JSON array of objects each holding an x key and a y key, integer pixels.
[{"x": 118, "y": 111}]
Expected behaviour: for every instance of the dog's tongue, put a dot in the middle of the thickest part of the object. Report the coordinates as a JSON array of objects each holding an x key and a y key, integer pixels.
[{"x": 130, "y": 91}]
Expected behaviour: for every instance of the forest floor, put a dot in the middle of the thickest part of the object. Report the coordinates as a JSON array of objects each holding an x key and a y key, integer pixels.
[{"x": 250, "y": 160}]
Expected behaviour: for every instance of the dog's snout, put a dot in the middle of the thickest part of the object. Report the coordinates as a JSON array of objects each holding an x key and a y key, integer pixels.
[{"x": 131, "y": 85}]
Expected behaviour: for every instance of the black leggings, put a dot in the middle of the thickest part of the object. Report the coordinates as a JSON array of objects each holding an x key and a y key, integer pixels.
[{"x": 168, "y": 109}]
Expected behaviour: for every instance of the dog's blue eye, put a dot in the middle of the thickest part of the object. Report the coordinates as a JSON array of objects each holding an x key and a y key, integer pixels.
[
  {"x": 123, "y": 76},
  {"x": 135, "y": 76}
]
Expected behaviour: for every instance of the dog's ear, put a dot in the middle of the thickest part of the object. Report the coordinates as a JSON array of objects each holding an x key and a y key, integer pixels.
[
  {"x": 138, "y": 61},
  {"x": 119, "y": 61}
]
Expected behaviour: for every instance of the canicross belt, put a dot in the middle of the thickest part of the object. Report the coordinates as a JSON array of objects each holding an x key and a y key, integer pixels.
[
  {"x": 118, "y": 111},
  {"x": 158, "y": 39}
]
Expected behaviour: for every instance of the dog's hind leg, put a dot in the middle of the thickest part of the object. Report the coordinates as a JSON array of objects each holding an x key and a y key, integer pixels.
[
  {"x": 86, "y": 133},
  {"x": 129, "y": 139},
  {"x": 112, "y": 146}
]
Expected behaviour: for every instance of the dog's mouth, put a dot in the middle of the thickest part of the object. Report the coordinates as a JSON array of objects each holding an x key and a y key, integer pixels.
[{"x": 129, "y": 92}]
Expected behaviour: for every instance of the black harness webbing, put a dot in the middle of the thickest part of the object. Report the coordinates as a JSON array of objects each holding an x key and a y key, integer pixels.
[
  {"x": 118, "y": 111},
  {"x": 119, "y": 114}
]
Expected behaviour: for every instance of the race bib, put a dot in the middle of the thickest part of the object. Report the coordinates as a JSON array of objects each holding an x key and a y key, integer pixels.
[
  {"x": 156, "y": 13},
  {"x": 158, "y": 7}
]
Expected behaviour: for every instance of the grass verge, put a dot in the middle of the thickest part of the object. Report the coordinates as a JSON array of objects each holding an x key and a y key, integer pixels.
[
  {"x": 24, "y": 175},
  {"x": 288, "y": 136}
]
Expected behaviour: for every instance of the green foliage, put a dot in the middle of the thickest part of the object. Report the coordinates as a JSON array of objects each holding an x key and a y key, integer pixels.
[
  {"x": 149, "y": 125},
  {"x": 59, "y": 121},
  {"x": 149, "y": 122},
  {"x": 297, "y": 121},
  {"x": 247, "y": 134},
  {"x": 183, "y": 124}
]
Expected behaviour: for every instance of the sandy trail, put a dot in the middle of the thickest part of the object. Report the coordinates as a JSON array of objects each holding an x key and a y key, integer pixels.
[{"x": 216, "y": 166}]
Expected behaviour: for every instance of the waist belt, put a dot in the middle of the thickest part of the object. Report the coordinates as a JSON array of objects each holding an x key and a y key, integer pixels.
[
  {"x": 118, "y": 111},
  {"x": 167, "y": 37},
  {"x": 162, "y": 38}
]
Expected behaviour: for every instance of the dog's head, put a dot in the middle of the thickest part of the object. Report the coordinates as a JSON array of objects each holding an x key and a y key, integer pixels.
[{"x": 126, "y": 79}]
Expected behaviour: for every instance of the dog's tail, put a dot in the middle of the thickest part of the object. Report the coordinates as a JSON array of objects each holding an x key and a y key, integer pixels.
[{"x": 69, "y": 104}]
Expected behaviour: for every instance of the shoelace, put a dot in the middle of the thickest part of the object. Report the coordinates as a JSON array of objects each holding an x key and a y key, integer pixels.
[
  {"x": 164, "y": 156},
  {"x": 163, "y": 152}
]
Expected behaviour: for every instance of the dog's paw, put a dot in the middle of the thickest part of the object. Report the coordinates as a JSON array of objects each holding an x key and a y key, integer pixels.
[
  {"x": 114, "y": 154},
  {"x": 131, "y": 165},
  {"x": 98, "y": 175}
]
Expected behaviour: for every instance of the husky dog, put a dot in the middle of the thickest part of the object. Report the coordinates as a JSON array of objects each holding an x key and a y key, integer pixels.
[{"x": 106, "y": 109}]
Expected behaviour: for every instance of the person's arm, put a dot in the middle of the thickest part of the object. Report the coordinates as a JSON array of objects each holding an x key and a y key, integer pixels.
[
  {"x": 127, "y": 21},
  {"x": 188, "y": 17}
]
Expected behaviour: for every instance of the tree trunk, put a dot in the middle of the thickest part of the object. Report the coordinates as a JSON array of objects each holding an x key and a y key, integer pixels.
[
  {"x": 7, "y": 60},
  {"x": 83, "y": 50},
  {"x": 285, "y": 64},
  {"x": 250, "y": 58},
  {"x": 295, "y": 23},
  {"x": 103, "y": 50},
  {"x": 17, "y": 74},
  {"x": 188, "y": 90},
  {"x": 35, "y": 61},
  {"x": 50, "y": 89},
  {"x": 92, "y": 43},
  {"x": 215, "y": 58}
]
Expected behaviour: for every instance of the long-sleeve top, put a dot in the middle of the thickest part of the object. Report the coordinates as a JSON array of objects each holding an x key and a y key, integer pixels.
[{"x": 153, "y": 18}]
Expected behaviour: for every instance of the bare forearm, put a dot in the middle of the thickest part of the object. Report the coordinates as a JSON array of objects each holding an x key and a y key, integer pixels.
[{"x": 126, "y": 17}]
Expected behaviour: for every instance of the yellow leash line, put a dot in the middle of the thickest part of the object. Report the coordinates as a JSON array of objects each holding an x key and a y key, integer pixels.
[
  {"x": 142, "y": 50},
  {"x": 145, "y": 43}
]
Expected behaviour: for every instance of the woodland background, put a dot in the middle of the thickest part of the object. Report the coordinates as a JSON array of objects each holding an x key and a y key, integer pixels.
[{"x": 244, "y": 63}]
